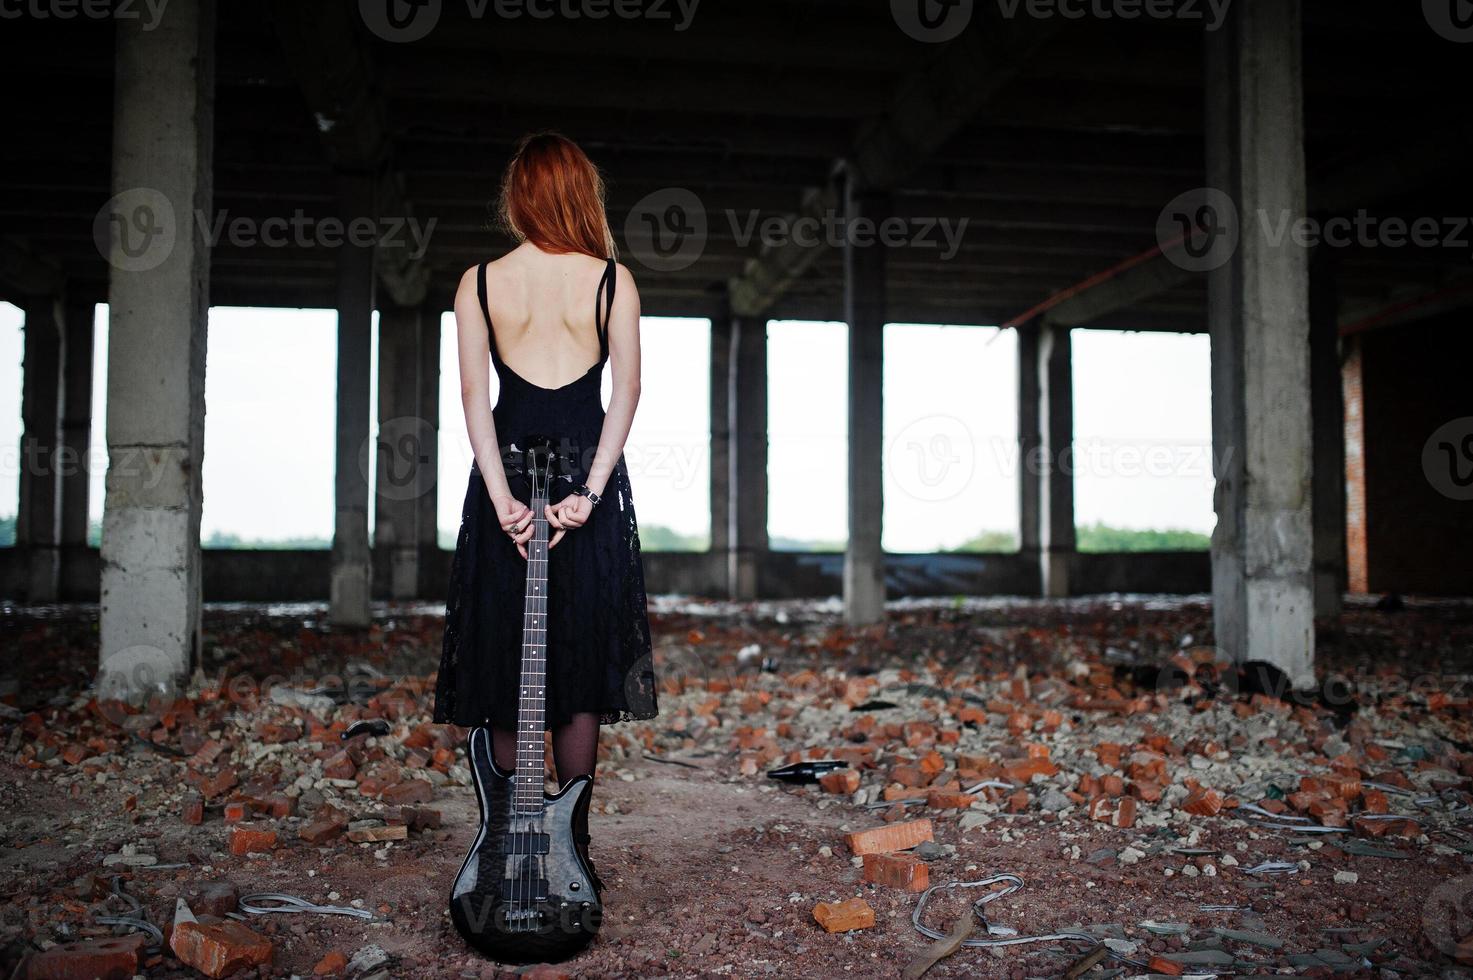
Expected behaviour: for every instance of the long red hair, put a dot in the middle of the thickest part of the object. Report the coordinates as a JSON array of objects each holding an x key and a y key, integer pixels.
[{"x": 553, "y": 196}]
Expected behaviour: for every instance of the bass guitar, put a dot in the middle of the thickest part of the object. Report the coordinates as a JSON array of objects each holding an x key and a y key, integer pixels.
[{"x": 526, "y": 891}]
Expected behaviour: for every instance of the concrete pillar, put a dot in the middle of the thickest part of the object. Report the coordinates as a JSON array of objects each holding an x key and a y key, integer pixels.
[
  {"x": 351, "y": 560},
  {"x": 158, "y": 295},
  {"x": 747, "y": 468},
  {"x": 428, "y": 522},
  {"x": 721, "y": 440},
  {"x": 865, "y": 312},
  {"x": 405, "y": 450},
  {"x": 1327, "y": 410},
  {"x": 1030, "y": 439},
  {"x": 1258, "y": 313},
  {"x": 1056, "y": 537},
  {"x": 76, "y": 439},
  {"x": 38, "y": 520}
]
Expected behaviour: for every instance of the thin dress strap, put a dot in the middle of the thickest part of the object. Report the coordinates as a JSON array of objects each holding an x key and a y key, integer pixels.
[
  {"x": 603, "y": 307},
  {"x": 486, "y": 309}
]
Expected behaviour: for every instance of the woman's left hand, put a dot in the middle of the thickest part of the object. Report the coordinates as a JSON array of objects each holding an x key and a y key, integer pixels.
[{"x": 568, "y": 514}]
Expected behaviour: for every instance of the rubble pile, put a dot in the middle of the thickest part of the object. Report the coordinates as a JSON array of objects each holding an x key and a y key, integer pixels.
[{"x": 1173, "y": 809}]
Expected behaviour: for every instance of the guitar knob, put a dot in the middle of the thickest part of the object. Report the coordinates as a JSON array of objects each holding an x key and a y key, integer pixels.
[{"x": 573, "y": 886}]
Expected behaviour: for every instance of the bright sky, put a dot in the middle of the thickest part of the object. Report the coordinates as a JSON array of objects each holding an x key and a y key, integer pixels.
[{"x": 1142, "y": 418}]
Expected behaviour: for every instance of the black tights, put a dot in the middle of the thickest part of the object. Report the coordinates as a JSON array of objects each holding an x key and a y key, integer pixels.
[{"x": 574, "y": 747}]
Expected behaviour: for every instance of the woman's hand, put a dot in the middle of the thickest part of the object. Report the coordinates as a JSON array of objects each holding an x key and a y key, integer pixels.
[
  {"x": 568, "y": 514},
  {"x": 515, "y": 519}
]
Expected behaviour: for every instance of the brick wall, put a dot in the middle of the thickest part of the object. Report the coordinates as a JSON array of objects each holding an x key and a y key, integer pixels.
[{"x": 1402, "y": 384}]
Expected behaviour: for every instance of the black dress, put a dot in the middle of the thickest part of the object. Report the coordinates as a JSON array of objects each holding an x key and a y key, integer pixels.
[{"x": 598, "y": 635}]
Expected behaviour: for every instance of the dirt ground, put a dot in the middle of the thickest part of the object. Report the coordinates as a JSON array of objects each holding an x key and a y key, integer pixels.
[{"x": 714, "y": 870}]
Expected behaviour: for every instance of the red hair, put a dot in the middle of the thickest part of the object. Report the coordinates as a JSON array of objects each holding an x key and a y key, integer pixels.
[{"x": 553, "y": 196}]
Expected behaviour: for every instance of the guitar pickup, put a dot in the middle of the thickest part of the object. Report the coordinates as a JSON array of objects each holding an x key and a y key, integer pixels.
[{"x": 527, "y": 843}]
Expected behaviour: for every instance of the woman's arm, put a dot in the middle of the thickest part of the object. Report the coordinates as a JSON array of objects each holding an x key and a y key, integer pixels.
[
  {"x": 474, "y": 348},
  {"x": 623, "y": 330}
]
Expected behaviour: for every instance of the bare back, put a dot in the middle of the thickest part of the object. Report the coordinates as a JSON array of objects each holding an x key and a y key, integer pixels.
[{"x": 542, "y": 312}]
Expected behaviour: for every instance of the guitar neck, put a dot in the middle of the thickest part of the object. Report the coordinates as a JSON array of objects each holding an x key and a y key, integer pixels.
[{"x": 531, "y": 758}]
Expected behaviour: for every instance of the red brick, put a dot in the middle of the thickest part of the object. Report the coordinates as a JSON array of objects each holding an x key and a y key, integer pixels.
[
  {"x": 327, "y": 823},
  {"x": 1022, "y": 770},
  {"x": 108, "y": 959},
  {"x": 218, "y": 950},
  {"x": 844, "y": 781},
  {"x": 331, "y": 964},
  {"x": 949, "y": 800},
  {"x": 420, "y": 818},
  {"x": 251, "y": 840},
  {"x": 339, "y": 766},
  {"x": 1203, "y": 803},
  {"x": 1112, "y": 785},
  {"x": 193, "y": 812},
  {"x": 1018, "y": 802},
  {"x": 910, "y": 777},
  {"x": 1100, "y": 809},
  {"x": 1125, "y": 813},
  {"x": 236, "y": 811},
  {"x": 844, "y": 916},
  {"x": 1160, "y": 964},
  {"x": 896, "y": 837},
  {"x": 220, "y": 783},
  {"x": 409, "y": 791},
  {"x": 904, "y": 871}
]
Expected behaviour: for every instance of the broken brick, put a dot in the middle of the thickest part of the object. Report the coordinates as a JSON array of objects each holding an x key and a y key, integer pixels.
[
  {"x": 219, "y": 949},
  {"x": 339, "y": 766},
  {"x": 409, "y": 791},
  {"x": 843, "y": 781},
  {"x": 1203, "y": 802},
  {"x": 193, "y": 812},
  {"x": 374, "y": 835},
  {"x": 108, "y": 959},
  {"x": 896, "y": 837},
  {"x": 949, "y": 800},
  {"x": 251, "y": 840},
  {"x": 1125, "y": 813},
  {"x": 844, "y": 916},
  {"x": 333, "y": 963},
  {"x": 1160, "y": 964},
  {"x": 904, "y": 871},
  {"x": 328, "y": 822}
]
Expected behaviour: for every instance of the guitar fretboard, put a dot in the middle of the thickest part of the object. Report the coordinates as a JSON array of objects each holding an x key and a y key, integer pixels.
[{"x": 531, "y": 718}]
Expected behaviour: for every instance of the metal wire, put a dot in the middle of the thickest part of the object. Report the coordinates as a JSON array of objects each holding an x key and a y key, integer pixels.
[
  {"x": 291, "y": 903},
  {"x": 1013, "y": 883}
]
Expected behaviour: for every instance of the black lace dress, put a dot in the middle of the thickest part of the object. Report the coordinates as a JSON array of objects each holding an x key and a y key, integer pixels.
[{"x": 598, "y": 636}]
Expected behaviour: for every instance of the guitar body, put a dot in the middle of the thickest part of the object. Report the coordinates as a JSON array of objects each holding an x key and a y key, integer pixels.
[{"x": 525, "y": 896}]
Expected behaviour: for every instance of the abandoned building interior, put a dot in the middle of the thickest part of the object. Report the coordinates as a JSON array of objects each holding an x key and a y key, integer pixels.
[{"x": 1283, "y": 183}]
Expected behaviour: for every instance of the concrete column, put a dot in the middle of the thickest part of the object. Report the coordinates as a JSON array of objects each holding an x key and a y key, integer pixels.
[
  {"x": 405, "y": 454},
  {"x": 351, "y": 561},
  {"x": 865, "y": 312},
  {"x": 1258, "y": 313},
  {"x": 747, "y": 468},
  {"x": 721, "y": 438},
  {"x": 428, "y": 523},
  {"x": 76, "y": 438},
  {"x": 1327, "y": 410},
  {"x": 38, "y": 520},
  {"x": 1056, "y": 537},
  {"x": 1030, "y": 439},
  {"x": 158, "y": 295}
]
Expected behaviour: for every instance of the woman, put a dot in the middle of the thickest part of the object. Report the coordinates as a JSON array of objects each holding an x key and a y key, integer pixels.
[{"x": 546, "y": 316}]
